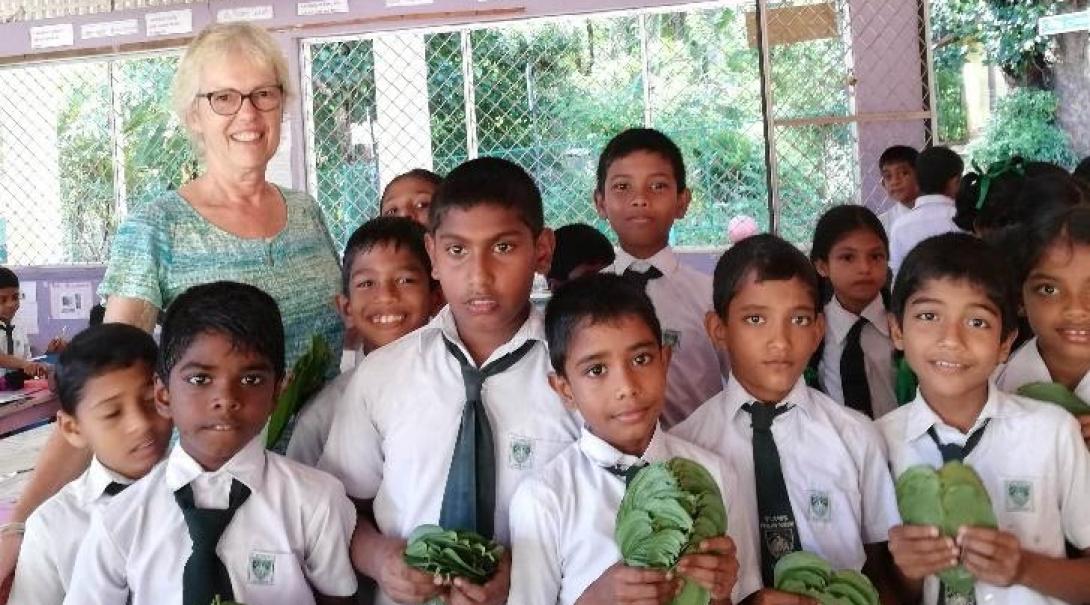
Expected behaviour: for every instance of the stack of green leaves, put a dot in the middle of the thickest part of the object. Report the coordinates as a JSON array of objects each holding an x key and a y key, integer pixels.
[
  {"x": 219, "y": 601},
  {"x": 804, "y": 573},
  {"x": 452, "y": 553},
  {"x": 668, "y": 509},
  {"x": 307, "y": 378},
  {"x": 1054, "y": 392},
  {"x": 949, "y": 498}
]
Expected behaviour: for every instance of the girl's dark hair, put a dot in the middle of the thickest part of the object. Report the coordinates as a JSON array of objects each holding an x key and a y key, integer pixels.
[
  {"x": 1069, "y": 227},
  {"x": 994, "y": 198},
  {"x": 840, "y": 221}
]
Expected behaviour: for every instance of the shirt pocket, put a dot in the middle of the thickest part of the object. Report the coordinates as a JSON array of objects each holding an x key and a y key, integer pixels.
[
  {"x": 1018, "y": 503},
  {"x": 273, "y": 578},
  {"x": 523, "y": 452}
]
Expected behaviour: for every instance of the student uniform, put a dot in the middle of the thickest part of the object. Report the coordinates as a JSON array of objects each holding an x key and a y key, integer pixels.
[
  {"x": 563, "y": 519},
  {"x": 1026, "y": 365},
  {"x": 877, "y": 353},
  {"x": 894, "y": 211},
  {"x": 682, "y": 298},
  {"x": 394, "y": 431},
  {"x": 20, "y": 343},
  {"x": 1033, "y": 463},
  {"x": 311, "y": 428},
  {"x": 932, "y": 215},
  {"x": 290, "y": 534},
  {"x": 54, "y": 533},
  {"x": 833, "y": 462}
]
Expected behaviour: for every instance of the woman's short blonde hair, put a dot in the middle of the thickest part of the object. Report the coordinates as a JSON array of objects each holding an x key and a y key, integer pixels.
[{"x": 215, "y": 42}]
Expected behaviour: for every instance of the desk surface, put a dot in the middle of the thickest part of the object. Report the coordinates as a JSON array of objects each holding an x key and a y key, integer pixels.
[{"x": 41, "y": 406}]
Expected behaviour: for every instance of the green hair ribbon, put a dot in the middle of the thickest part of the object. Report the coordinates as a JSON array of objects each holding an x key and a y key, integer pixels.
[{"x": 1014, "y": 165}]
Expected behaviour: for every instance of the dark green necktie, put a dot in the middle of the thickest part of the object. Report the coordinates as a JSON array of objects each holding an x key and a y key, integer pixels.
[
  {"x": 952, "y": 452},
  {"x": 641, "y": 278},
  {"x": 114, "y": 488},
  {"x": 853, "y": 371},
  {"x": 9, "y": 337},
  {"x": 778, "y": 533},
  {"x": 205, "y": 576},
  {"x": 469, "y": 499},
  {"x": 627, "y": 473}
]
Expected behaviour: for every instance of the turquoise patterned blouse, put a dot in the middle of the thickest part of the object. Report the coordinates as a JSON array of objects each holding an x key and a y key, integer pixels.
[{"x": 165, "y": 247}]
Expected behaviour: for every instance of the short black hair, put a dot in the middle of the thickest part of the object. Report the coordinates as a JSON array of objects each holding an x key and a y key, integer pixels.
[
  {"x": 96, "y": 351},
  {"x": 1082, "y": 171},
  {"x": 641, "y": 139},
  {"x": 839, "y": 221},
  {"x": 422, "y": 174},
  {"x": 1067, "y": 227},
  {"x": 494, "y": 181},
  {"x": 767, "y": 257},
  {"x": 590, "y": 300},
  {"x": 244, "y": 314},
  {"x": 578, "y": 244},
  {"x": 396, "y": 231},
  {"x": 8, "y": 279},
  {"x": 898, "y": 154},
  {"x": 956, "y": 256},
  {"x": 935, "y": 167}
]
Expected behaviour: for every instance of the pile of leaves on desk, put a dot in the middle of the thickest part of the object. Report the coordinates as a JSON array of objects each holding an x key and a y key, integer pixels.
[
  {"x": 453, "y": 554},
  {"x": 804, "y": 573}
]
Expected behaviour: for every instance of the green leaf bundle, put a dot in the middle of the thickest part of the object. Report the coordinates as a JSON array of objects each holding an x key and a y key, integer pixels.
[
  {"x": 948, "y": 498},
  {"x": 307, "y": 378},
  {"x": 668, "y": 509},
  {"x": 804, "y": 573},
  {"x": 1054, "y": 392},
  {"x": 452, "y": 553}
]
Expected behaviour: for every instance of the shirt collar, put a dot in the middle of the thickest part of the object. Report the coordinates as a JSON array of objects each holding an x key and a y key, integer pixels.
[
  {"x": 841, "y": 320},
  {"x": 665, "y": 260},
  {"x": 921, "y": 417},
  {"x": 98, "y": 479},
  {"x": 737, "y": 396},
  {"x": 531, "y": 329},
  {"x": 605, "y": 455},
  {"x": 934, "y": 198},
  {"x": 248, "y": 466}
]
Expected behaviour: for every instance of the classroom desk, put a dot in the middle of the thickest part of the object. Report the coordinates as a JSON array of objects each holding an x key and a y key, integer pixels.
[{"x": 41, "y": 407}]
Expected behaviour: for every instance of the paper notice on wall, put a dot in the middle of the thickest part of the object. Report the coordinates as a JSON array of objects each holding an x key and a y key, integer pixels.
[
  {"x": 27, "y": 317},
  {"x": 279, "y": 168},
  {"x": 321, "y": 7},
  {"x": 52, "y": 36},
  {"x": 109, "y": 29},
  {"x": 28, "y": 292},
  {"x": 169, "y": 22},
  {"x": 404, "y": 3},
  {"x": 244, "y": 13},
  {"x": 71, "y": 300}
]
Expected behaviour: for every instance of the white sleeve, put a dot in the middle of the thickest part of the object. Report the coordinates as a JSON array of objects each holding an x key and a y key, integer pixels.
[
  {"x": 740, "y": 523},
  {"x": 312, "y": 426},
  {"x": 1074, "y": 477},
  {"x": 535, "y": 545},
  {"x": 879, "y": 499},
  {"x": 38, "y": 579},
  {"x": 329, "y": 531},
  {"x": 99, "y": 577},
  {"x": 353, "y": 451}
]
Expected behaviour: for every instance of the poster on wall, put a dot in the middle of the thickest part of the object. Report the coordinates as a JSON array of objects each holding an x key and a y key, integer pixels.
[
  {"x": 71, "y": 300},
  {"x": 27, "y": 315}
]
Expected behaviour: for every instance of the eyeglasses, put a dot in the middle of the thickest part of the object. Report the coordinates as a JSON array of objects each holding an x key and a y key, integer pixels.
[{"x": 228, "y": 101}]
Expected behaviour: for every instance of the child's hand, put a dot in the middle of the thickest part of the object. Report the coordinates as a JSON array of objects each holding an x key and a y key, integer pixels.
[
  {"x": 991, "y": 555},
  {"x": 56, "y": 345},
  {"x": 492, "y": 592},
  {"x": 770, "y": 596},
  {"x": 1084, "y": 421},
  {"x": 921, "y": 550},
  {"x": 34, "y": 369},
  {"x": 621, "y": 585},
  {"x": 403, "y": 583},
  {"x": 714, "y": 566}
]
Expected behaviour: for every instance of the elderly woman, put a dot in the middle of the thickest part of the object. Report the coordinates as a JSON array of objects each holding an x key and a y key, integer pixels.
[{"x": 228, "y": 223}]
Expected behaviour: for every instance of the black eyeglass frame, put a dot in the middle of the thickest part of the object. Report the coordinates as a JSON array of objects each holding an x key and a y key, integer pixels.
[{"x": 243, "y": 98}]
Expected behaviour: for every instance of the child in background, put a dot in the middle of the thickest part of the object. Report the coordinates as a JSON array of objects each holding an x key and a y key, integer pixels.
[
  {"x": 105, "y": 384},
  {"x": 938, "y": 172},
  {"x": 814, "y": 470},
  {"x": 580, "y": 250},
  {"x": 954, "y": 316},
  {"x": 387, "y": 293},
  {"x": 605, "y": 344},
  {"x": 856, "y": 365},
  {"x": 1053, "y": 270},
  {"x": 409, "y": 195},
  {"x": 15, "y": 351},
  {"x": 898, "y": 167},
  {"x": 641, "y": 191},
  {"x": 222, "y": 517}
]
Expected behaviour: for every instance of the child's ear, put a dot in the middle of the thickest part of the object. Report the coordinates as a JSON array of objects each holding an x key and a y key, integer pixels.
[
  {"x": 429, "y": 245},
  {"x": 895, "y": 333},
  {"x": 600, "y": 204},
  {"x": 162, "y": 398},
  {"x": 340, "y": 301},
  {"x": 667, "y": 355},
  {"x": 822, "y": 267},
  {"x": 1006, "y": 346},
  {"x": 716, "y": 327},
  {"x": 684, "y": 197},
  {"x": 544, "y": 246},
  {"x": 69, "y": 429},
  {"x": 562, "y": 387}
]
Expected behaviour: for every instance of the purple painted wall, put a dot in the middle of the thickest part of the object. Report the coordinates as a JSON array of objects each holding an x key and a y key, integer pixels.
[{"x": 48, "y": 326}]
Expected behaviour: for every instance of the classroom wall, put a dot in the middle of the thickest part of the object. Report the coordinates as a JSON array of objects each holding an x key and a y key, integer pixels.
[{"x": 54, "y": 318}]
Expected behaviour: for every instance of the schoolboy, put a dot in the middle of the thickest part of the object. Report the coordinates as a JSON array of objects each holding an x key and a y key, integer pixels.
[
  {"x": 104, "y": 381},
  {"x": 580, "y": 250},
  {"x": 938, "y": 172},
  {"x": 221, "y": 516},
  {"x": 955, "y": 319},
  {"x": 605, "y": 344},
  {"x": 641, "y": 191},
  {"x": 817, "y": 469},
  {"x": 406, "y": 435},
  {"x": 897, "y": 165},
  {"x": 14, "y": 345},
  {"x": 409, "y": 195},
  {"x": 387, "y": 293}
]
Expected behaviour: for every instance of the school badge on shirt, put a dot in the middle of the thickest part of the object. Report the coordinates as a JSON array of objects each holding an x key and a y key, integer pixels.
[
  {"x": 1018, "y": 494},
  {"x": 672, "y": 339},
  {"x": 262, "y": 568},
  {"x": 820, "y": 508},
  {"x": 521, "y": 453}
]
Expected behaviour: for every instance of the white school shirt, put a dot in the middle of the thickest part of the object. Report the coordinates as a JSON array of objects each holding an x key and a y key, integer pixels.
[
  {"x": 895, "y": 211},
  {"x": 394, "y": 430},
  {"x": 932, "y": 215},
  {"x": 563, "y": 518},
  {"x": 833, "y": 461},
  {"x": 682, "y": 298},
  {"x": 21, "y": 343},
  {"x": 291, "y": 534},
  {"x": 311, "y": 429},
  {"x": 877, "y": 353},
  {"x": 1034, "y": 466},
  {"x": 53, "y": 536},
  {"x": 1026, "y": 365}
]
